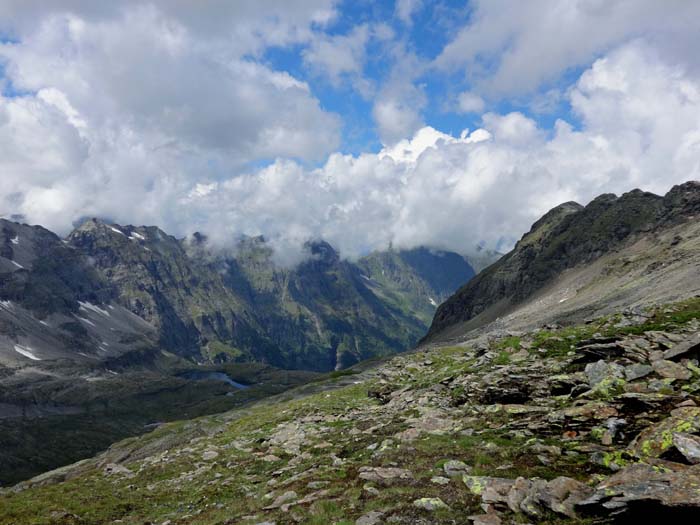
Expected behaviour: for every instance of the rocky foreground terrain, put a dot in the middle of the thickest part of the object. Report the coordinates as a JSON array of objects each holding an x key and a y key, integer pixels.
[{"x": 591, "y": 423}]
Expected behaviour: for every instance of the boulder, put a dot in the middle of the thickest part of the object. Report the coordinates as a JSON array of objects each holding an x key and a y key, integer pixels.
[
  {"x": 371, "y": 518},
  {"x": 430, "y": 504},
  {"x": 654, "y": 491},
  {"x": 530, "y": 496},
  {"x": 386, "y": 476},
  {"x": 685, "y": 349},
  {"x": 688, "y": 445},
  {"x": 208, "y": 455},
  {"x": 485, "y": 519},
  {"x": 605, "y": 378},
  {"x": 671, "y": 370},
  {"x": 657, "y": 439},
  {"x": 455, "y": 468},
  {"x": 637, "y": 371},
  {"x": 282, "y": 500}
]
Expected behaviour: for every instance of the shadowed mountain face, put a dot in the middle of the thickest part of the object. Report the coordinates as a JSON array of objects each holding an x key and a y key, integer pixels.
[
  {"x": 569, "y": 236},
  {"x": 49, "y": 293},
  {"x": 108, "y": 290},
  {"x": 415, "y": 280}
]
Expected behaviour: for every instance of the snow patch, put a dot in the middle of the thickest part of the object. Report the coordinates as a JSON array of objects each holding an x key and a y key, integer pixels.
[
  {"x": 44, "y": 323},
  {"x": 15, "y": 240},
  {"x": 26, "y": 352},
  {"x": 18, "y": 265},
  {"x": 94, "y": 308},
  {"x": 117, "y": 231},
  {"x": 85, "y": 320},
  {"x": 136, "y": 236},
  {"x": 6, "y": 304},
  {"x": 432, "y": 301}
]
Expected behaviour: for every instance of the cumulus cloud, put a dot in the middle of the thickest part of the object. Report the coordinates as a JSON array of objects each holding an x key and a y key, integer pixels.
[
  {"x": 338, "y": 55},
  {"x": 468, "y": 102},
  {"x": 142, "y": 114},
  {"x": 120, "y": 110},
  {"x": 241, "y": 27},
  {"x": 514, "y": 47},
  {"x": 398, "y": 106},
  {"x": 641, "y": 128}
]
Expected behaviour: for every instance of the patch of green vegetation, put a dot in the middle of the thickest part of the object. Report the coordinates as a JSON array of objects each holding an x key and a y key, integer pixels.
[
  {"x": 503, "y": 358},
  {"x": 215, "y": 350},
  {"x": 663, "y": 318},
  {"x": 508, "y": 342},
  {"x": 342, "y": 373},
  {"x": 558, "y": 343}
]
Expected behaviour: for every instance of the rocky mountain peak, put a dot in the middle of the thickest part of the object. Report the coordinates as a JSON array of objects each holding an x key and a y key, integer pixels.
[
  {"x": 568, "y": 236},
  {"x": 323, "y": 252},
  {"x": 683, "y": 201}
]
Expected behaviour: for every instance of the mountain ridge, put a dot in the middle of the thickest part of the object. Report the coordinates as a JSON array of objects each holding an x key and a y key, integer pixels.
[{"x": 569, "y": 235}]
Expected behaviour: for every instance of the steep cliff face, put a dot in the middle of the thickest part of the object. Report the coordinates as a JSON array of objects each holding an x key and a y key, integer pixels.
[
  {"x": 187, "y": 302},
  {"x": 416, "y": 280},
  {"x": 42, "y": 274},
  {"x": 216, "y": 305},
  {"x": 568, "y": 236},
  {"x": 322, "y": 314},
  {"x": 55, "y": 305}
]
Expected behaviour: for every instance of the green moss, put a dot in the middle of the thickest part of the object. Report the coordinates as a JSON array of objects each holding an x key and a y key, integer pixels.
[
  {"x": 503, "y": 358},
  {"x": 508, "y": 342}
]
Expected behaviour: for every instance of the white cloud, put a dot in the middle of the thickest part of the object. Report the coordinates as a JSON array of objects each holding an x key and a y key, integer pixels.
[
  {"x": 124, "y": 108},
  {"x": 640, "y": 128},
  {"x": 468, "y": 102},
  {"x": 143, "y": 115},
  {"x": 241, "y": 27},
  {"x": 398, "y": 106},
  {"x": 512, "y": 48},
  {"x": 168, "y": 87},
  {"x": 338, "y": 55},
  {"x": 409, "y": 150},
  {"x": 405, "y": 9}
]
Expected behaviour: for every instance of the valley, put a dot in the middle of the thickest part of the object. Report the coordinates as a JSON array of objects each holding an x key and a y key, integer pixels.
[{"x": 114, "y": 330}]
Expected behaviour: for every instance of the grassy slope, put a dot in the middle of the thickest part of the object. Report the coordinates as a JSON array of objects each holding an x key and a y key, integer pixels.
[
  {"x": 124, "y": 406},
  {"x": 343, "y": 430}
]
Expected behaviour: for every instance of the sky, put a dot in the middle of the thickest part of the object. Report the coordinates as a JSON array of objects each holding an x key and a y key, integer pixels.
[{"x": 450, "y": 124}]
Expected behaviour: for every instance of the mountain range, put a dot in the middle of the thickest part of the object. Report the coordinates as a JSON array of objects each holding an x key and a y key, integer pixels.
[{"x": 212, "y": 305}]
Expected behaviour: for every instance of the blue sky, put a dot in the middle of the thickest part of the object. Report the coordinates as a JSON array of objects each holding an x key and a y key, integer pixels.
[
  {"x": 342, "y": 120},
  {"x": 431, "y": 27},
  {"x": 425, "y": 36}
]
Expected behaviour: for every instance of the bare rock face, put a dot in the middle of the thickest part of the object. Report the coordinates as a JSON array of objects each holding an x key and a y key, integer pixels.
[
  {"x": 529, "y": 496},
  {"x": 643, "y": 488},
  {"x": 386, "y": 476},
  {"x": 671, "y": 370},
  {"x": 688, "y": 445},
  {"x": 657, "y": 439},
  {"x": 567, "y": 236},
  {"x": 686, "y": 349}
]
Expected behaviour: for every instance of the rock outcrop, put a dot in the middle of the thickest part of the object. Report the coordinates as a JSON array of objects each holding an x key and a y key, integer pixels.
[{"x": 568, "y": 236}]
